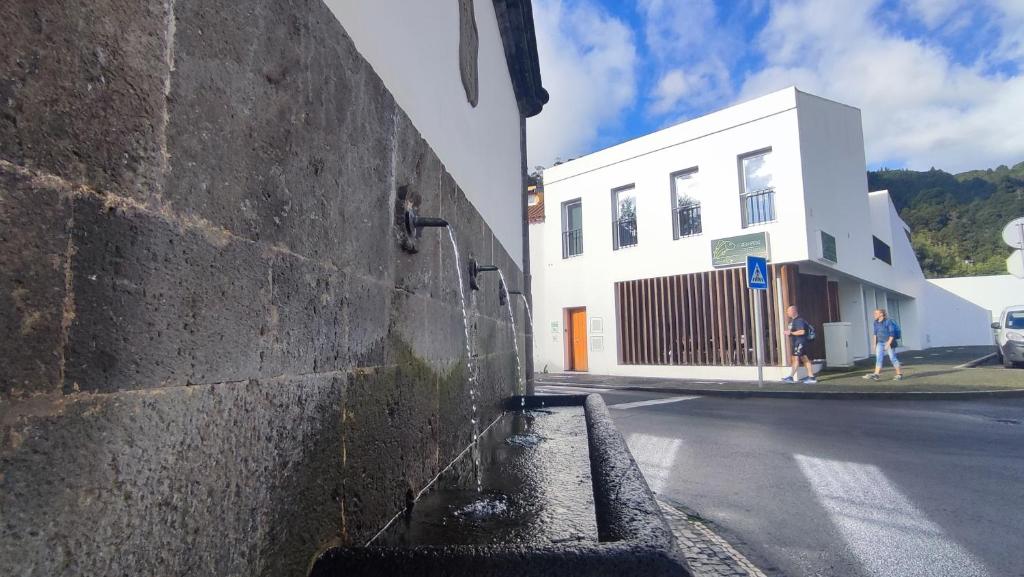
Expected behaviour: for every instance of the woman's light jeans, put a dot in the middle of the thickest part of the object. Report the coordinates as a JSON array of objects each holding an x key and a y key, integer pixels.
[{"x": 880, "y": 350}]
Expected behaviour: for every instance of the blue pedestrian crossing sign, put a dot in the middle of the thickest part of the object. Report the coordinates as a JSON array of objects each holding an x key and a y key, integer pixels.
[{"x": 757, "y": 273}]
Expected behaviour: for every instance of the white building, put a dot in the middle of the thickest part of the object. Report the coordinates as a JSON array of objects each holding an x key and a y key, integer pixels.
[{"x": 625, "y": 280}]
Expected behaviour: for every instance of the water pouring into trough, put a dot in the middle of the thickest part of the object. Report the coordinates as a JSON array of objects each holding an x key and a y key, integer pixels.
[
  {"x": 414, "y": 225},
  {"x": 505, "y": 459},
  {"x": 474, "y": 270},
  {"x": 526, "y": 306},
  {"x": 550, "y": 489}
]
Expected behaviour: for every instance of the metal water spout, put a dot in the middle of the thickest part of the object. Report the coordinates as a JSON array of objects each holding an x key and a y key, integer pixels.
[
  {"x": 475, "y": 269},
  {"x": 414, "y": 225}
]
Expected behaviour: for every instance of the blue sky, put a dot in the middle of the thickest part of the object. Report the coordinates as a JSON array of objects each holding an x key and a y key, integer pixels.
[{"x": 939, "y": 82}]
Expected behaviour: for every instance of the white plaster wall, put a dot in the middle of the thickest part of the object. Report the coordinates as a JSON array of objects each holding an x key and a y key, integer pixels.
[
  {"x": 712, "y": 144},
  {"x": 911, "y": 317},
  {"x": 993, "y": 293},
  {"x": 414, "y": 47},
  {"x": 541, "y": 330},
  {"x": 851, "y": 310},
  {"x": 949, "y": 320},
  {"x": 835, "y": 183},
  {"x": 905, "y": 275}
]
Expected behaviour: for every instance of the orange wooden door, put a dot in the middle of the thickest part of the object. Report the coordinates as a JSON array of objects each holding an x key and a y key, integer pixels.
[{"x": 578, "y": 322}]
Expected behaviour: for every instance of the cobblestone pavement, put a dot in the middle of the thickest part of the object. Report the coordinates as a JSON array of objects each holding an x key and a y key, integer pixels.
[{"x": 707, "y": 553}]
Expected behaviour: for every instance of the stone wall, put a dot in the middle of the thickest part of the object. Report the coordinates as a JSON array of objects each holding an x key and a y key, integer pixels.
[{"x": 216, "y": 358}]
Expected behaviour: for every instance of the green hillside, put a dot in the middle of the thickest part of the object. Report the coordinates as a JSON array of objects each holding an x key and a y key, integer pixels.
[{"x": 956, "y": 219}]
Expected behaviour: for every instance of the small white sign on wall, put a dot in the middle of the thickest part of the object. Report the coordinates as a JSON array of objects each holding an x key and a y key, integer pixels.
[
  {"x": 597, "y": 325},
  {"x": 597, "y": 344},
  {"x": 555, "y": 332}
]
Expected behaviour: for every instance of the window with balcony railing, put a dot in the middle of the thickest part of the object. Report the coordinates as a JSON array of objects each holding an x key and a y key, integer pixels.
[
  {"x": 624, "y": 230},
  {"x": 685, "y": 206},
  {"x": 757, "y": 199},
  {"x": 572, "y": 242},
  {"x": 758, "y": 206},
  {"x": 686, "y": 220},
  {"x": 572, "y": 228}
]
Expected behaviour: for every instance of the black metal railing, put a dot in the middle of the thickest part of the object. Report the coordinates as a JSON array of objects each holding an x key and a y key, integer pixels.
[
  {"x": 758, "y": 206},
  {"x": 624, "y": 230},
  {"x": 687, "y": 220},
  {"x": 572, "y": 242}
]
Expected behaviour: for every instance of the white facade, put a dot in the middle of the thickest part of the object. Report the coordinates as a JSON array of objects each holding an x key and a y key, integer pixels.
[
  {"x": 818, "y": 174},
  {"x": 994, "y": 293},
  {"x": 414, "y": 48}
]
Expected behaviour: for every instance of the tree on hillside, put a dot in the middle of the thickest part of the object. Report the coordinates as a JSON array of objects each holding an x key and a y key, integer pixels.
[{"x": 956, "y": 219}]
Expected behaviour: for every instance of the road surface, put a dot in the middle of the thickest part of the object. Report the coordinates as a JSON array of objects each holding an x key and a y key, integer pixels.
[{"x": 810, "y": 488}]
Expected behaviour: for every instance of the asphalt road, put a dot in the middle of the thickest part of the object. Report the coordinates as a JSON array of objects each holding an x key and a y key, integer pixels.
[{"x": 840, "y": 488}]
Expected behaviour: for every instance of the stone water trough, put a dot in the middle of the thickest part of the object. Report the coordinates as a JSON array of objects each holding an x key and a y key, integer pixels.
[{"x": 632, "y": 537}]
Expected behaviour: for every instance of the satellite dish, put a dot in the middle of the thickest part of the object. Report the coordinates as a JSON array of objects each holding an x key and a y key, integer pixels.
[
  {"x": 1013, "y": 233},
  {"x": 1015, "y": 264}
]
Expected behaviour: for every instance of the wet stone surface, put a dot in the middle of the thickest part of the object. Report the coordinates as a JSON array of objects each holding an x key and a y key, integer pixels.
[
  {"x": 535, "y": 488},
  {"x": 707, "y": 554}
]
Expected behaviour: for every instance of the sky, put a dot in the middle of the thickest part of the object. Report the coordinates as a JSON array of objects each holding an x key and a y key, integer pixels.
[{"x": 940, "y": 83}]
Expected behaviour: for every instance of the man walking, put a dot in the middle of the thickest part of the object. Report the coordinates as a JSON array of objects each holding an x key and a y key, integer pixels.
[
  {"x": 798, "y": 332},
  {"x": 884, "y": 340}
]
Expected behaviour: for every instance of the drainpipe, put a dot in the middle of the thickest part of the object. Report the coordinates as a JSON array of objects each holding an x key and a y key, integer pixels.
[{"x": 527, "y": 278}]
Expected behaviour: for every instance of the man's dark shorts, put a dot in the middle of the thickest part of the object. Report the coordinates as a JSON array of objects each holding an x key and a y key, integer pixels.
[{"x": 798, "y": 350}]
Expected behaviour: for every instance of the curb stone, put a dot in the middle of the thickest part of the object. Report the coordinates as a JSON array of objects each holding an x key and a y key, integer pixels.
[
  {"x": 976, "y": 362},
  {"x": 707, "y": 554},
  {"x": 809, "y": 394}
]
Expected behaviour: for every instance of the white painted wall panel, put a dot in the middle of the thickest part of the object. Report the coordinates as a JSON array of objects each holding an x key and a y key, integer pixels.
[
  {"x": 993, "y": 293},
  {"x": 950, "y": 320}
]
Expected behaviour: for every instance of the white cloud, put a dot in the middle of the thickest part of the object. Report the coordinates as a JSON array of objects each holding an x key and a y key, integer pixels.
[
  {"x": 673, "y": 87},
  {"x": 1010, "y": 15},
  {"x": 934, "y": 12},
  {"x": 918, "y": 107},
  {"x": 676, "y": 26},
  {"x": 588, "y": 61},
  {"x": 690, "y": 54}
]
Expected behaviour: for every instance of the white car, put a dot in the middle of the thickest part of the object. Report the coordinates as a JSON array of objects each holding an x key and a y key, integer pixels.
[{"x": 1010, "y": 336}]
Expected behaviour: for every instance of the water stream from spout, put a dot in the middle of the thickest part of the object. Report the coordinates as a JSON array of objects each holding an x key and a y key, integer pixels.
[
  {"x": 470, "y": 366},
  {"x": 526, "y": 305},
  {"x": 515, "y": 337}
]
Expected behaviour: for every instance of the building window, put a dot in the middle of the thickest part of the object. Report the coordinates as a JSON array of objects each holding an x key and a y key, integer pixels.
[
  {"x": 828, "y": 247},
  {"x": 882, "y": 251},
  {"x": 572, "y": 228},
  {"x": 624, "y": 224},
  {"x": 685, "y": 206},
  {"x": 758, "y": 196}
]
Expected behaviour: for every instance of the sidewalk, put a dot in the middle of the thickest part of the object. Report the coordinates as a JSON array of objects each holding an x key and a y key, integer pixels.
[
  {"x": 707, "y": 554},
  {"x": 939, "y": 373}
]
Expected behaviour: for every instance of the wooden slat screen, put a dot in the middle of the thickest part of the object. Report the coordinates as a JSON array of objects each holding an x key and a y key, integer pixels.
[{"x": 696, "y": 319}]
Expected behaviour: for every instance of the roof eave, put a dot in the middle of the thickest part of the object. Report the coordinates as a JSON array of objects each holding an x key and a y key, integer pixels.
[{"x": 519, "y": 38}]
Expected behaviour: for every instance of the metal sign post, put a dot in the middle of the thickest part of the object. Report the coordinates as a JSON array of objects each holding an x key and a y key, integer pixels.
[{"x": 757, "y": 281}]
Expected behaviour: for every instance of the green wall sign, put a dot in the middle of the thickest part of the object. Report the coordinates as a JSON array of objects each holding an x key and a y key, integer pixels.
[{"x": 733, "y": 251}]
